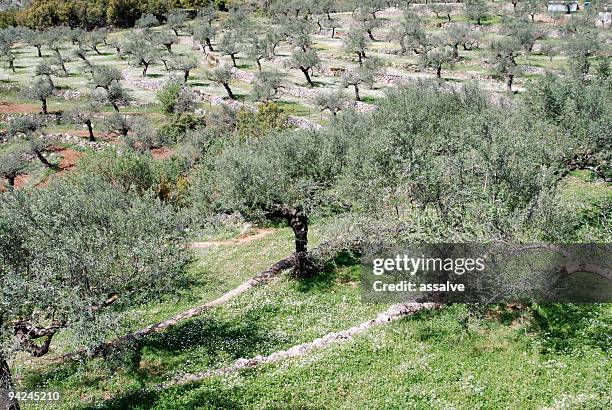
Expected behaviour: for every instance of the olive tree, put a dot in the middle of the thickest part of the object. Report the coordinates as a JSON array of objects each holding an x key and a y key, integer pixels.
[
  {"x": 76, "y": 256},
  {"x": 356, "y": 42},
  {"x": 442, "y": 9},
  {"x": 106, "y": 78},
  {"x": 230, "y": 44},
  {"x": 222, "y": 75},
  {"x": 12, "y": 164},
  {"x": 332, "y": 24},
  {"x": 581, "y": 110},
  {"x": 41, "y": 89},
  {"x": 257, "y": 49},
  {"x": 176, "y": 98},
  {"x": 29, "y": 130},
  {"x": 267, "y": 85},
  {"x": 203, "y": 34},
  {"x": 55, "y": 38},
  {"x": 146, "y": 21},
  {"x": 33, "y": 38},
  {"x": 208, "y": 14},
  {"x": 84, "y": 114},
  {"x": 476, "y": 10},
  {"x": 176, "y": 20},
  {"x": 166, "y": 39},
  {"x": 332, "y": 100},
  {"x": 277, "y": 176},
  {"x": 531, "y": 8},
  {"x": 367, "y": 20},
  {"x": 93, "y": 39},
  {"x": 409, "y": 33},
  {"x": 503, "y": 54},
  {"x": 305, "y": 61},
  {"x": 45, "y": 69},
  {"x": 142, "y": 52},
  {"x": 184, "y": 64},
  {"x": 526, "y": 34},
  {"x": 364, "y": 74},
  {"x": 436, "y": 54},
  {"x": 8, "y": 38},
  {"x": 580, "y": 47},
  {"x": 450, "y": 160},
  {"x": 460, "y": 35}
]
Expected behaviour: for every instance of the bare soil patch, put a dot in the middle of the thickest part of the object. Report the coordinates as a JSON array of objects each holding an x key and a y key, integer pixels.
[
  {"x": 259, "y": 234},
  {"x": 162, "y": 153},
  {"x": 16, "y": 108}
]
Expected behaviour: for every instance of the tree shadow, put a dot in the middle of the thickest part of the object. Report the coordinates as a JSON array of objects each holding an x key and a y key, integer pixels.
[
  {"x": 564, "y": 327},
  {"x": 217, "y": 397},
  {"x": 330, "y": 275},
  {"x": 210, "y": 333}
]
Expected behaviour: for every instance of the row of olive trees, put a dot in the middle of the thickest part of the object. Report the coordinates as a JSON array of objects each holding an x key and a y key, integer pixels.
[{"x": 443, "y": 165}]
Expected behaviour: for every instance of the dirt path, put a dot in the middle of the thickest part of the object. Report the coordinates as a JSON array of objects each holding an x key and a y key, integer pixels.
[
  {"x": 259, "y": 234},
  {"x": 392, "y": 314}
]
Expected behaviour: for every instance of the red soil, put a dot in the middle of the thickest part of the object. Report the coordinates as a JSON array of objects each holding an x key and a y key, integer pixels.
[
  {"x": 14, "y": 108},
  {"x": 162, "y": 153}
]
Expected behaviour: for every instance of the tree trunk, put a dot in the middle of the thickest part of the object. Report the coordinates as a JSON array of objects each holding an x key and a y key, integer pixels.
[
  {"x": 62, "y": 64},
  {"x": 357, "y": 97},
  {"x": 186, "y": 76},
  {"x": 39, "y": 51},
  {"x": 209, "y": 44},
  {"x": 92, "y": 138},
  {"x": 439, "y": 71},
  {"x": 371, "y": 35},
  {"x": 169, "y": 47},
  {"x": 146, "y": 67},
  {"x": 360, "y": 57},
  {"x": 258, "y": 65},
  {"x": 509, "y": 82},
  {"x": 229, "y": 91},
  {"x": 44, "y": 106},
  {"x": 305, "y": 71},
  {"x": 42, "y": 158},
  {"x": 12, "y": 65},
  {"x": 333, "y": 32},
  {"x": 11, "y": 179},
  {"x": 6, "y": 385},
  {"x": 234, "y": 60},
  {"x": 50, "y": 80},
  {"x": 175, "y": 31},
  {"x": 115, "y": 106},
  {"x": 299, "y": 223}
]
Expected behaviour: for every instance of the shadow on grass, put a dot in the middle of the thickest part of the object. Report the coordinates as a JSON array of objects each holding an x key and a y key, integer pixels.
[
  {"x": 215, "y": 395},
  {"x": 236, "y": 338},
  {"x": 564, "y": 327},
  {"x": 332, "y": 274}
]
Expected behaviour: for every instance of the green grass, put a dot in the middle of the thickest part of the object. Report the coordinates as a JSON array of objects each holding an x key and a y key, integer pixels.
[
  {"x": 452, "y": 358},
  {"x": 427, "y": 361},
  {"x": 266, "y": 319}
]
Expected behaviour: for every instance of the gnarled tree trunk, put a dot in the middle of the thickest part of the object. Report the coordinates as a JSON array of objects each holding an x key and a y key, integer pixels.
[{"x": 6, "y": 385}]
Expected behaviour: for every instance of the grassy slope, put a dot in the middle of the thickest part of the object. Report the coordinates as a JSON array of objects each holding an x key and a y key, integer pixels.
[
  {"x": 428, "y": 361},
  {"x": 266, "y": 319}
]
